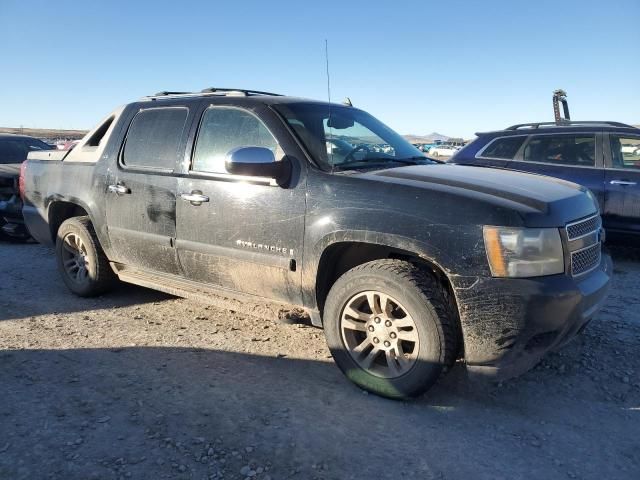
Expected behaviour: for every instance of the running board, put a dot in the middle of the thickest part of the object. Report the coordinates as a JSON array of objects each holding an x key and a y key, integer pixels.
[{"x": 253, "y": 305}]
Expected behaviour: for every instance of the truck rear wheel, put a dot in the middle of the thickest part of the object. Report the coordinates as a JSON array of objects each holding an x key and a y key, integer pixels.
[
  {"x": 391, "y": 327},
  {"x": 81, "y": 261}
]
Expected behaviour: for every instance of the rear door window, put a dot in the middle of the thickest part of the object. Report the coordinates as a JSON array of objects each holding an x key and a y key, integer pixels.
[
  {"x": 565, "y": 149},
  {"x": 625, "y": 152},
  {"x": 503, "y": 148},
  {"x": 223, "y": 129},
  {"x": 154, "y": 138}
]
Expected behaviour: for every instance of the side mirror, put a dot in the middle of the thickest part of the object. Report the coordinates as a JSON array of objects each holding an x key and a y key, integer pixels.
[{"x": 255, "y": 162}]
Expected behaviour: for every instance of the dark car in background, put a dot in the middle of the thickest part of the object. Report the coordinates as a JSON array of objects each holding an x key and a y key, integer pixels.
[
  {"x": 602, "y": 156},
  {"x": 13, "y": 151}
]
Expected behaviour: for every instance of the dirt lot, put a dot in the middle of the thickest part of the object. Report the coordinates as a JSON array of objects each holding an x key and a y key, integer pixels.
[{"x": 138, "y": 384}]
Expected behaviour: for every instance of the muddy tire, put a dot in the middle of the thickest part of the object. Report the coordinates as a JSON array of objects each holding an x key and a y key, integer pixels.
[
  {"x": 81, "y": 261},
  {"x": 391, "y": 327}
]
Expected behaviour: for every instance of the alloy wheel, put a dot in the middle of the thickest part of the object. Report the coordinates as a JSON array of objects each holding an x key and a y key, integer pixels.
[
  {"x": 379, "y": 334},
  {"x": 74, "y": 258}
]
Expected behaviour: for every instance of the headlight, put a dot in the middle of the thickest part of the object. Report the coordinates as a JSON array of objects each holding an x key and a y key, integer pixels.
[{"x": 523, "y": 252}]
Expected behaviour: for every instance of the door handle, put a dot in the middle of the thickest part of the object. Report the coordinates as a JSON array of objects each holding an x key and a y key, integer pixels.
[
  {"x": 624, "y": 183},
  {"x": 119, "y": 189},
  {"x": 194, "y": 197}
]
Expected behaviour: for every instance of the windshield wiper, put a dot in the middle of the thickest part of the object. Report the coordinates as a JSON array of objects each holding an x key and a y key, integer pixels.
[
  {"x": 422, "y": 158},
  {"x": 377, "y": 163}
]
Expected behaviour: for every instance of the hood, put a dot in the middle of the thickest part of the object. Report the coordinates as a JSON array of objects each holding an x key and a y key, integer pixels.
[{"x": 540, "y": 200}]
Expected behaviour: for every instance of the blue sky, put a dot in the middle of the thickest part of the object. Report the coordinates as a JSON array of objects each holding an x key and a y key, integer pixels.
[{"x": 455, "y": 67}]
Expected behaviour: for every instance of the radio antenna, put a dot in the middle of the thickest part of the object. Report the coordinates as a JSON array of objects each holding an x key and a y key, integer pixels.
[{"x": 326, "y": 56}]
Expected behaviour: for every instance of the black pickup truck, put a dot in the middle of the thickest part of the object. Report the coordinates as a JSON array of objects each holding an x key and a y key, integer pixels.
[{"x": 407, "y": 263}]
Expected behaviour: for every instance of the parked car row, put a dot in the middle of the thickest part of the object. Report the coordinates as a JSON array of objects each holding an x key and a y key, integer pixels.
[
  {"x": 407, "y": 263},
  {"x": 443, "y": 151}
]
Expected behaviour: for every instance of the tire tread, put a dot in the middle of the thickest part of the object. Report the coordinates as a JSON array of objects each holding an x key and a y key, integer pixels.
[
  {"x": 429, "y": 291},
  {"x": 104, "y": 278}
]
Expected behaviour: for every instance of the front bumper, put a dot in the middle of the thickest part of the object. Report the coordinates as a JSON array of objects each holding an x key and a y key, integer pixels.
[{"x": 510, "y": 324}]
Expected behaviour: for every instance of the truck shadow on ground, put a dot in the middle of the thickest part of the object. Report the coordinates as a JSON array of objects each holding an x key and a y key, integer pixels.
[
  {"x": 31, "y": 286},
  {"x": 187, "y": 413},
  {"x": 150, "y": 412},
  {"x": 16, "y": 304}
]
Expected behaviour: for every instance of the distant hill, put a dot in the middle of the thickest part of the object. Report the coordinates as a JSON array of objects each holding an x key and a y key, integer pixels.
[
  {"x": 432, "y": 137},
  {"x": 46, "y": 133}
]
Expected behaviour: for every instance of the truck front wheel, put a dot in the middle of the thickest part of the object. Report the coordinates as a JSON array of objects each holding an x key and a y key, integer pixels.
[
  {"x": 391, "y": 327},
  {"x": 81, "y": 261}
]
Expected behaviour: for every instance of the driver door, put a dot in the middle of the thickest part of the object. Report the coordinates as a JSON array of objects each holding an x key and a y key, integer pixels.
[{"x": 246, "y": 233}]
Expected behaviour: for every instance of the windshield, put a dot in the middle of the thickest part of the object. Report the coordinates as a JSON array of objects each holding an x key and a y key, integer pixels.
[{"x": 345, "y": 138}]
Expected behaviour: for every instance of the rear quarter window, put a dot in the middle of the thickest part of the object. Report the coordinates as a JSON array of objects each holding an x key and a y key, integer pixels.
[
  {"x": 154, "y": 138},
  {"x": 503, "y": 148}
]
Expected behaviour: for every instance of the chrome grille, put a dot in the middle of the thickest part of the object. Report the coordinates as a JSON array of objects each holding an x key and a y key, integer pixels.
[
  {"x": 584, "y": 244},
  {"x": 583, "y": 227},
  {"x": 585, "y": 259}
]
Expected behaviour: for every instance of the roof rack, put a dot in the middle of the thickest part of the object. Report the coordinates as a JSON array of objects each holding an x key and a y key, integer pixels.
[
  {"x": 238, "y": 92},
  {"x": 165, "y": 93},
  {"x": 567, "y": 123}
]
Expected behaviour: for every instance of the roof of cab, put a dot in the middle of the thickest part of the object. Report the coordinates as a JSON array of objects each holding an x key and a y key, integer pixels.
[{"x": 226, "y": 94}]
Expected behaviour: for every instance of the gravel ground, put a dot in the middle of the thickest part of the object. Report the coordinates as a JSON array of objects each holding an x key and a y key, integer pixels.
[{"x": 138, "y": 384}]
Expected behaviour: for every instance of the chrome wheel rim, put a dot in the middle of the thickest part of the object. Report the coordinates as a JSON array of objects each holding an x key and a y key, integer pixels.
[
  {"x": 74, "y": 258},
  {"x": 379, "y": 334}
]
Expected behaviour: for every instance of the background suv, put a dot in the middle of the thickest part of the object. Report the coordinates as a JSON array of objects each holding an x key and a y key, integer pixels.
[{"x": 602, "y": 156}]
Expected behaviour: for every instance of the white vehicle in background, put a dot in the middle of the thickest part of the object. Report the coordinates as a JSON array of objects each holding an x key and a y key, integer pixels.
[
  {"x": 66, "y": 144},
  {"x": 630, "y": 149},
  {"x": 443, "y": 151}
]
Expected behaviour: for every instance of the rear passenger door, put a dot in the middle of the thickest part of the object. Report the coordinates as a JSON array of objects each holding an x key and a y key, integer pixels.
[
  {"x": 622, "y": 205},
  {"x": 246, "y": 234},
  {"x": 576, "y": 157},
  {"x": 141, "y": 195}
]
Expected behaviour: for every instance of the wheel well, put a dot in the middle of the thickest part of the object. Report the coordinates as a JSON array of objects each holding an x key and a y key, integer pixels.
[
  {"x": 340, "y": 257},
  {"x": 61, "y": 211}
]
